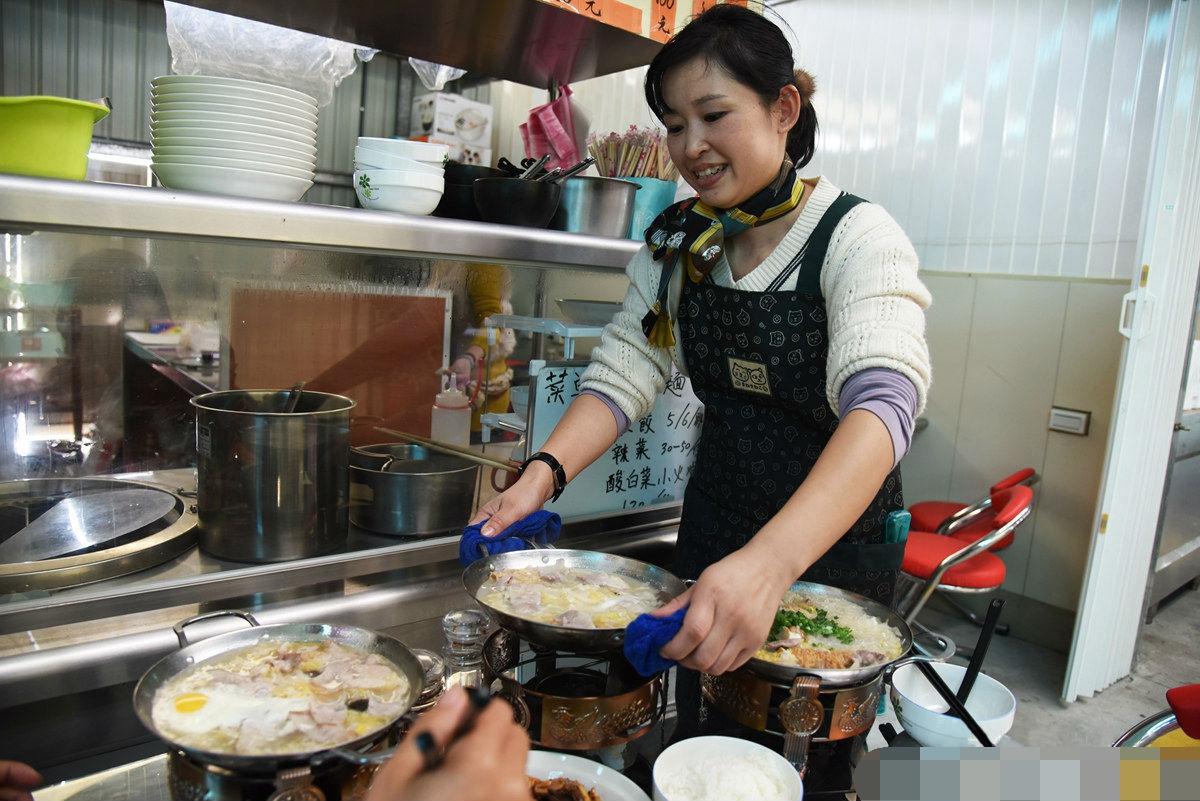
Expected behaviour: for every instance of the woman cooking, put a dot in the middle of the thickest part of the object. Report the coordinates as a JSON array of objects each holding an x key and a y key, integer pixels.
[{"x": 797, "y": 313}]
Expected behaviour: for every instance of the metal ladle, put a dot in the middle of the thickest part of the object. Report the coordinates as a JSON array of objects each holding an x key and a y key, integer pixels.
[{"x": 294, "y": 400}]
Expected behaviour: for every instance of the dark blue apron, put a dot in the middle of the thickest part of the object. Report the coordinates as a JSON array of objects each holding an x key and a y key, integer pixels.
[{"x": 757, "y": 361}]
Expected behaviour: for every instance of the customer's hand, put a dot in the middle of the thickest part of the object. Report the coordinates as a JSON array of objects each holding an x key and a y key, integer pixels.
[
  {"x": 16, "y": 780},
  {"x": 730, "y": 611},
  {"x": 487, "y": 763},
  {"x": 530, "y": 493}
]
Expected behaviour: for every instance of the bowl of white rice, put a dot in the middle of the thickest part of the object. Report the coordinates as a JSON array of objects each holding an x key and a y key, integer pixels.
[{"x": 724, "y": 769}]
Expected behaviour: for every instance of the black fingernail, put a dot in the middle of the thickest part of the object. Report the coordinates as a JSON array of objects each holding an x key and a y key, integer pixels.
[{"x": 425, "y": 743}]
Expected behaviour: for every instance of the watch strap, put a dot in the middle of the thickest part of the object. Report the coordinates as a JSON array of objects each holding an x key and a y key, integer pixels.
[{"x": 556, "y": 470}]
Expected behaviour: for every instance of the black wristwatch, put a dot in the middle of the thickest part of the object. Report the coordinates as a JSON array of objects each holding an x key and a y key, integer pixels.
[{"x": 556, "y": 469}]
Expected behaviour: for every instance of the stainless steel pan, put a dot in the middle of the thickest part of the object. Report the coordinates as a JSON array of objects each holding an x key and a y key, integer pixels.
[
  {"x": 215, "y": 647},
  {"x": 785, "y": 674},
  {"x": 564, "y": 638}
]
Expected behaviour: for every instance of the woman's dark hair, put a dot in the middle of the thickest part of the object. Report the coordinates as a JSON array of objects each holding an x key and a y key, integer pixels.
[{"x": 754, "y": 52}]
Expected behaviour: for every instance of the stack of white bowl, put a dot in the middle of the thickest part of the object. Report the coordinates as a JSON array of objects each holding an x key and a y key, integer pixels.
[
  {"x": 399, "y": 174},
  {"x": 232, "y": 137}
]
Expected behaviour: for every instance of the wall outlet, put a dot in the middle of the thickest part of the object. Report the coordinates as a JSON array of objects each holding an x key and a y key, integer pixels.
[{"x": 1070, "y": 421}]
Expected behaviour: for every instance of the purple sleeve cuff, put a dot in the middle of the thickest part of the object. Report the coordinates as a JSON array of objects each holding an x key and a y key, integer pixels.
[
  {"x": 620, "y": 416},
  {"x": 890, "y": 396}
]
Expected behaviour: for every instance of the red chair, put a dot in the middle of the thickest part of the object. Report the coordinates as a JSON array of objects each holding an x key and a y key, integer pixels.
[
  {"x": 968, "y": 522},
  {"x": 942, "y": 562}
]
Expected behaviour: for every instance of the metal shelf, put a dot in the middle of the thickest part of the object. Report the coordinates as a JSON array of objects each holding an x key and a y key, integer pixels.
[
  {"x": 33, "y": 204},
  {"x": 527, "y": 41}
]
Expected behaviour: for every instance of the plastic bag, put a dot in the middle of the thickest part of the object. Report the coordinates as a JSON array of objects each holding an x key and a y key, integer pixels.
[
  {"x": 558, "y": 128},
  {"x": 435, "y": 76},
  {"x": 209, "y": 43}
]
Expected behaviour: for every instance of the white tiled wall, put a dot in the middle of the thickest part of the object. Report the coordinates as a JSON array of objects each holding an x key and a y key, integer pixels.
[
  {"x": 1005, "y": 349},
  {"x": 1007, "y": 136}
]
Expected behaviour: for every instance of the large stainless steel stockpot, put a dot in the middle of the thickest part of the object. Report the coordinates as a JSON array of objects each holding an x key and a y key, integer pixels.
[{"x": 272, "y": 485}]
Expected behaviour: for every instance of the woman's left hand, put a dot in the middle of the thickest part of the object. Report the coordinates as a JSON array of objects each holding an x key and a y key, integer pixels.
[{"x": 731, "y": 608}]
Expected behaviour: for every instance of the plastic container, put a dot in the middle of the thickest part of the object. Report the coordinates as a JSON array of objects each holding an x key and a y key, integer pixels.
[
  {"x": 451, "y": 417},
  {"x": 47, "y": 136},
  {"x": 654, "y": 196}
]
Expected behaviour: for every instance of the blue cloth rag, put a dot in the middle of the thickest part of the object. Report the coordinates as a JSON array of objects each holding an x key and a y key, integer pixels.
[
  {"x": 646, "y": 636},
  {"x": 542, "y": 527}
]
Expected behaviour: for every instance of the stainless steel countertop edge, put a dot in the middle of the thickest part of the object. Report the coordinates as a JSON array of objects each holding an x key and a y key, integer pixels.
[
  {"x": 81, "y": 206},
  {"x": 53, "y": 672}
]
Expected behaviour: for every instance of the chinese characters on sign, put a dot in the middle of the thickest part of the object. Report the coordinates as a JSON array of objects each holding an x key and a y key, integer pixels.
[{"x": 649, "y": 464}]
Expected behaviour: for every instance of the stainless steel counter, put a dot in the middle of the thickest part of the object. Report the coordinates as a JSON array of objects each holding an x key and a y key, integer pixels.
[{"x": 30, "y": 204}]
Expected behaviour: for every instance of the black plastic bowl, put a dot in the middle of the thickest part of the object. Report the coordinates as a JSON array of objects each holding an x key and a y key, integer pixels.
[
  {"x": 517, "y": 201},
  {"x": 458, "y": 203},
  {"x": 469, "y": 173}
]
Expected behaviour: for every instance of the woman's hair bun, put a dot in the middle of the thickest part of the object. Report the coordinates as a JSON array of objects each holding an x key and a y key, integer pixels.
[{"x": 807, "y": 85}]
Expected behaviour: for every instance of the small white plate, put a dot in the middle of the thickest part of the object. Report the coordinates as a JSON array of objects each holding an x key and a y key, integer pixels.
[
  {"x": 611, "y": 785},
  {"x": 231, "y": 181},
  {"x": 263, "y": 111},
  {"x": 233, "y": 152},
  {"x": 218, "y": 129},
  {"x": 204, "y": 136},
  {"x": 161, "y": 116},
  {"x": 240, "y": 164},
  {"x": 180, "y": 94},
  {"x": 241, "y": 83}
]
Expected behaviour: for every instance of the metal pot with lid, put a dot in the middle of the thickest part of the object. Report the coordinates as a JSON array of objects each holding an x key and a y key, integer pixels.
[{"x": 294, "y": 776}]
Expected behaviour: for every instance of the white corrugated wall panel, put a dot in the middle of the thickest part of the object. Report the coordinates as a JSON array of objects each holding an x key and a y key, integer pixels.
[{"x": 1006, "y": 137}]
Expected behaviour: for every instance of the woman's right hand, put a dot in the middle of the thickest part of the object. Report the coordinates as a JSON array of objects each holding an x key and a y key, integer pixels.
[
  {"x": 17, "y": 780},
  {"x": 530, "y": 493}
]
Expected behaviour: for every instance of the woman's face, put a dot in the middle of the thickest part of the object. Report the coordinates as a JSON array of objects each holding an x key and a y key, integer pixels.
[{"x": 726, "y": 143}]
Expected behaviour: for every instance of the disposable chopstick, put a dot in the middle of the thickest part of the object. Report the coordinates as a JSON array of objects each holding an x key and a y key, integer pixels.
[{"x": 981, "y": 646}]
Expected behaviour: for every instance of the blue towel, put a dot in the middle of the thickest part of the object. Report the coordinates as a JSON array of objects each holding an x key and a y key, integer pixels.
[
  {"x": 646, "y": 636},
  {"x": 542, "y": 527}
]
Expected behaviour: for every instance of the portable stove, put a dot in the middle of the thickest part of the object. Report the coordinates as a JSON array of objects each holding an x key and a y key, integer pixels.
[{"x": 572, "y": 701}]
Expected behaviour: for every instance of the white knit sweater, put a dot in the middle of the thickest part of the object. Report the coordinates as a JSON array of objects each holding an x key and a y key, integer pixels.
[{"x": 874, "y": 301}]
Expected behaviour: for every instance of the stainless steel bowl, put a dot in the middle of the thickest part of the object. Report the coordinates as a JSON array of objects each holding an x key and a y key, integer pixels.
[
  {"x": 596, "y": 206},
  {"x": 408, "y": 490}
]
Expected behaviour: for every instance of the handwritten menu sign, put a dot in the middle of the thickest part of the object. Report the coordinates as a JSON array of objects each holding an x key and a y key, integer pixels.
[{"x": 649, "y": 464}]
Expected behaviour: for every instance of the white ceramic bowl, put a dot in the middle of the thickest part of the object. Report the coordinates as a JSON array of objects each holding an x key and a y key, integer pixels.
[
  {"x": 260, "y": 156},
  {"x": 283, "y": 128},
  {"x": 703, "y": 752},
  {"x": 261, "y": 112},
  {"x": 241, "y": 164},
  {"x": 240, "y": 84},
  {"x": 922, "y": 711},
  {"x": 234, "y": 140},
  {"x": 395, "y": 190},
  {"x": 211, "y": 93},
  {"x": 611, "y": 785},
  {"x": 231, "y": 181},
  {"x": 367, "y": 159},
  {"x": 180, "y": 94},
  {"x": 418, "y": 151}
]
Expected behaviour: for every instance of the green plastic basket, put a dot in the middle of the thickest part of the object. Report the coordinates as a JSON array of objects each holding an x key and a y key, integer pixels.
[{"x": 47, "y": 136}]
